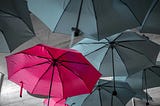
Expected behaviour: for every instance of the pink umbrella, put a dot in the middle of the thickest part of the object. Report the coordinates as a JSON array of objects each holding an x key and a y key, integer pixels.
[
  {"x": 56, "y": 102},
  {"x": 52, "y": 71}
]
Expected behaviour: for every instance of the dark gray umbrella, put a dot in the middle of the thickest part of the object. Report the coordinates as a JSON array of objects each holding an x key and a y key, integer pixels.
[
  {"x": 151, "y": 21},
  {"x": 147, "y": 78},
  {"x": 89, "y": 17},
  {"x": 15, "y": 24},
  {"x": 104, "y": 95}
]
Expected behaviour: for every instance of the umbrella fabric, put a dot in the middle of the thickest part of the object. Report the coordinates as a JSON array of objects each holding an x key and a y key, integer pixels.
[
  {"x": 130, "y": 53},
  {"x": 151, "y": 21},
  {"x": 15, "y": 24},
  {"x": 103, "y": 94},
  {"x": 93, "y": 17},
  {"x": 55, "y": 102},
  {"x": 147, "y": 78},
  {"x": 52, "y": 71},
  {"x": 76, "y": 100}
]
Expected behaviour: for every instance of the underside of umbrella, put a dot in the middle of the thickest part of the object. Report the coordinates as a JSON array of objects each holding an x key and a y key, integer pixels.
[
  {"x": 52, "y": 71},
  {"x": 97, "y": 19},
  {"x": 126, "y": 52},
  {"x": 15, "y": 24},
  {"x": 103, "y": 95}
]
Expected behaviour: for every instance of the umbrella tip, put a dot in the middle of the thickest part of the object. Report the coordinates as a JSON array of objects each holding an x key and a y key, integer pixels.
[
  {"x": 76, "y": 31},
  {"x": 147, "y": 103},
  {"x": 114, "y": 93}
]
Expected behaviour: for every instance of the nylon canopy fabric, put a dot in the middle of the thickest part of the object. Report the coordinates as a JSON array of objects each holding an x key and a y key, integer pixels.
[
  {"x": 147, "y": 78},
  {"x": 150, "y": 14},
  {"x": 52, "y": 71},
  {"x": 131, "y": 52},
  {"x": 15, "y": 24},
  {"x": 98, "y": 19},
  {"x": 102, "y": 94}
]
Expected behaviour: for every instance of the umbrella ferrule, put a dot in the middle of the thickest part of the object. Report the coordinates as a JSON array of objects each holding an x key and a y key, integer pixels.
[
  {"x": 113, "y": 44},
  {"x": 114, "y": 93},
  {"x": 54, "y": 62},
  {"x": 76, "y": 31}
]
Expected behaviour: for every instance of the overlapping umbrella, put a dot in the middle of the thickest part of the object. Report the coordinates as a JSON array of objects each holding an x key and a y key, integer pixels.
[
  {"x": 150, "y": 9},
  {"x": 88, "y": 17},
  {"x": 15, "y": 24},
  {"x": 55, "y": 102},
  {"x": 121, "y": 54},
  {"x": 147, "y": 78},
  {"x": 103, "y": 94},
  {"x": 52, "y": 71}
]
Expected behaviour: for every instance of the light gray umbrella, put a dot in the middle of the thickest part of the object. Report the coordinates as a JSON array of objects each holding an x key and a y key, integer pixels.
[
  {"x": 121, "y": 54},
  {"x": 88, "y": 17},
  {"x": 15, "y": 24},
  {"x": 147, "y": 78},
  {"x": 104, "y": 95},
  {"x": 76, "y": 100},
  {"x": 151, "y": 21}
]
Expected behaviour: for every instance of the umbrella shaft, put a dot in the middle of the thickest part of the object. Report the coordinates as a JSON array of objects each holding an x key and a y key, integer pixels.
[{"x": 50, "y": 88}]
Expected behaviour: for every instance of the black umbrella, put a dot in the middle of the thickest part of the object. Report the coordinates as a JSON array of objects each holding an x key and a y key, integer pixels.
[
  {"x": 104, "y": 95},
  {"x": 151, "y": 10},
  {"x": 15, "y": 24},
  {"x": 88, "y": 17},
  {"x": 147, "y": 78}
]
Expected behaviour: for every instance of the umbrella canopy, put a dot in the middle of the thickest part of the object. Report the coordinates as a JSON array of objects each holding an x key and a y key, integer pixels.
[
  {"x": 103, "y": 94},
  {"x": 55, "y": 102},
  {"x": 121, "y": 54},
  {"x": 52, "y": 71},
  {"x": 151, "y": 21},
  {"x": 147, "y": 78},
  {"x": 76, "y": 100},
  {"x": 15, "y": 24},
  {"x": 87, "y": 17}
]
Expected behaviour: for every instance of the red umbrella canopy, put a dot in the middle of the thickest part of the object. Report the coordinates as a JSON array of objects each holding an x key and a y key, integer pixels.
[
  {"x": 56, "y": 102},
  {"x": 52, "y": 71}
]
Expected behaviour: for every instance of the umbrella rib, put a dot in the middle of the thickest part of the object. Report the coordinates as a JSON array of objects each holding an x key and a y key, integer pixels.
[
  {"x": 62, "y": 15},
  {"x": 35, "y": 55},
  {"x": 89, "y": 95},
  {"x": 31, "y": 66},
  {"x": 72, "y": 71},
  {"x": 117, "y": 37},
  {"x": 95, "y": 50},
  {"x": 96, "y": 19},
  {"x": 105, "y": 56},
  {"x": 154, "y": 72},
  {"x": 121, "y": 59},
  {"x": 35, "y": 65},
  {"x": 136, "y": 52},
  {"x": 60, "y": 79},
  {"x": 50, "y": 53},
  {"x": 17, "y": 17},
  {"x": 153, "y": 5},
  {"x": 63, "y": 55},
  {"x": 131, "y": 41},
  {"x": 99, "y": 92},
  {"x": 93, "y": 43},
  {"x": 131, "y": 11},
  {"x": 41, "y": 77},
  {"x": 72, "y": 62}
]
